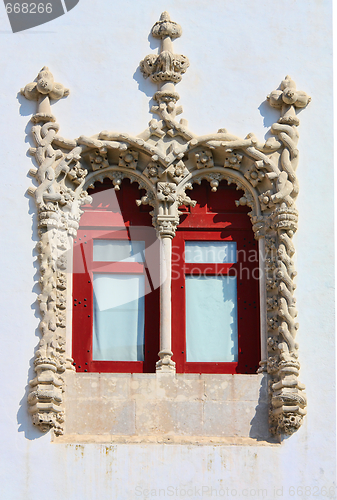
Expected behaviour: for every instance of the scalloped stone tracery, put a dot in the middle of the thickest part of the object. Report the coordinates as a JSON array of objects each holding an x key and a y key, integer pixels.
[{"x": 165, "y": 168}]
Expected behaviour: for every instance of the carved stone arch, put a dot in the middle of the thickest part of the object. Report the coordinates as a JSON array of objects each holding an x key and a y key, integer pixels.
[
  {"x": 116, "y": 175},
  {"x": 216, "y": 174},
  {"x": 171, "y": 159}
]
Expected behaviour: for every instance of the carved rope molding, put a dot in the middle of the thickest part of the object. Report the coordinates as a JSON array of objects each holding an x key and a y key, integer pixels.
[{"x": 165, "y": 160}]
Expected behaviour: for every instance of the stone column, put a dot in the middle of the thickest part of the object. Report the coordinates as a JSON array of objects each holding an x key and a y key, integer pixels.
[
  {"x": 165, "y": 363},
  {"x": 263, "y": 302},
  {"x": 166, "y": 225},
  {"x": 259, "y": 228}
]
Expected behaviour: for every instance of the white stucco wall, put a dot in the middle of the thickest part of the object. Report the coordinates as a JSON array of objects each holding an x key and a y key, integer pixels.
[{"x": 239, "y": 52}]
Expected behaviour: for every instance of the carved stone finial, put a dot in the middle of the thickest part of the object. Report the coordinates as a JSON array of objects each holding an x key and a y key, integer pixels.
[
  {"x": 44, "y": 85},
  {"x": 167, "y": 68},
  {"x": 42, "y": 90},
  {"x": 288, "y": 98},
  {"x": 165, "y": 27}
]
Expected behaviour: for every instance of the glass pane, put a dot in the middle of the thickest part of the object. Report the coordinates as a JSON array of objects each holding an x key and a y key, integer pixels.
[
  {"x": 118, "y": 323},
  {"x": 118, "y": 250},
  {"x": 210, "y": 252},
  {"x": 211, "y": 319}
]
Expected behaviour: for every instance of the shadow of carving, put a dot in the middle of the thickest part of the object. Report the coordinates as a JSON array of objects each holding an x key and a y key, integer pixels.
[
  {"x": 145, "y": 85},
  {"x": 27, "y": 108},
  {"x": 270, "y": 115},
  {"x": 23, "y": 417},
  {"x": 259, "y": 424}
]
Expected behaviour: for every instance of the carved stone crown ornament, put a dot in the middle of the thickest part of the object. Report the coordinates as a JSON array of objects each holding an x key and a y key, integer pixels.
[{"x": 165, "y": 160}]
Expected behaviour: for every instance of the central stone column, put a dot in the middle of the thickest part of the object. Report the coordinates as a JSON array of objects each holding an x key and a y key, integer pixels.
[
  {"x": 166, "y": 69},
  {"x": 165, "y": 363}
]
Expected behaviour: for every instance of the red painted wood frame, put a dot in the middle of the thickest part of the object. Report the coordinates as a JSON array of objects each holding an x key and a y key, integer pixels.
[
  {"x": 102, "y": 220},
  {"x": 216, "y": 218}
]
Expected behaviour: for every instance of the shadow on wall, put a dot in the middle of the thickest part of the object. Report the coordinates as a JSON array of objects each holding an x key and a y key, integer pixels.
[
  {"x": 259, "y": 423},
  {"x": 23, "y": 417},
  {"x": 145, "y": 85},
  {"x": 148, "y": 88},
  {"x": 27, "y": 108},
  {"x": 270, "y": 115}
]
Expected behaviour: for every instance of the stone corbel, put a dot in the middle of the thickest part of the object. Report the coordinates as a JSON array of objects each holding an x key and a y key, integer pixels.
[{"x": 165, "y": 168}]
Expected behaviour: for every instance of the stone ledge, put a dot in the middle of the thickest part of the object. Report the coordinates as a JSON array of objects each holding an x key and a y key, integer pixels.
[
  {"x": 193, "y": 440},
  {"x": 167, "y": 407}
]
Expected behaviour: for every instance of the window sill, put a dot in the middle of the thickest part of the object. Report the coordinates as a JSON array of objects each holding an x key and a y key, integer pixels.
[{"x": 166, "y": 408}]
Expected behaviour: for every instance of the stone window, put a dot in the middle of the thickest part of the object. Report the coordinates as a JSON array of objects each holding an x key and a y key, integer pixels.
[{"x": 166, "y": 160}]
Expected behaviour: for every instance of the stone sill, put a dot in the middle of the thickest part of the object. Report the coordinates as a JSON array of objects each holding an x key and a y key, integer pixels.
[
  {"x": 181, "y": 440},
  {"x": 166, "y": 408}
]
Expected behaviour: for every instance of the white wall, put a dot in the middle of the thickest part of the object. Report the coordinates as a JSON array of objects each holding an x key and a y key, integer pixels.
[{"x": 239, "y": 52}]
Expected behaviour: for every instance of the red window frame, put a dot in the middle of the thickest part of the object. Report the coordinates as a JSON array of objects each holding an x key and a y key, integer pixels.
[
  {"x": 247, "y": 305},
  {"x": 215, "y": 218},
  {"x": 104, "y": 224},
  {"x": 203, "y": 223}
]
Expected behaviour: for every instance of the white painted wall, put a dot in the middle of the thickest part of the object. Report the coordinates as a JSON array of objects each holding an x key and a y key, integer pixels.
[{"x": 239, "y": 52}]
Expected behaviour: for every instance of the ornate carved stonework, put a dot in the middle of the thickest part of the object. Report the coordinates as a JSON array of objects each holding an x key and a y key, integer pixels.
[
  {"x": 166, "y": 160},
  {"x": 165, "y": 67}
]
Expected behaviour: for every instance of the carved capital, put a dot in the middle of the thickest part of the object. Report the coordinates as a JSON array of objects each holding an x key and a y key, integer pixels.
[
  {"x": 166, "y": 225},
  {"x": 285, "y": 219}
]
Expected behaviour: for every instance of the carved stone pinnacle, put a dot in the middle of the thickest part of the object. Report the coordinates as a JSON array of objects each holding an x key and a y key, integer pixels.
[
  {"x": 288, "y": 98},
  {"x": 166, "y": 68},
  {"x": 165, "y": 27},
  {"x": 44, "y": 85},
  {"x": 42, "y": 90}
]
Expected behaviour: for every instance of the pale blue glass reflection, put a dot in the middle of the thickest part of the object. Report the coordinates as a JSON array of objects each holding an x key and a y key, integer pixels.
[
  {"x": 118, "y": 251},
  {"x": 211, "y": 319},
  {"x": 118, "y": 323},
  {"x": 210, "y": 252}
]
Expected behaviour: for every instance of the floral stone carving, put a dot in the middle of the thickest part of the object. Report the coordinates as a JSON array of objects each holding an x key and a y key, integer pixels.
[
  {"x": 166, "y": 67},
  {"x": 265, "y": 171}
]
